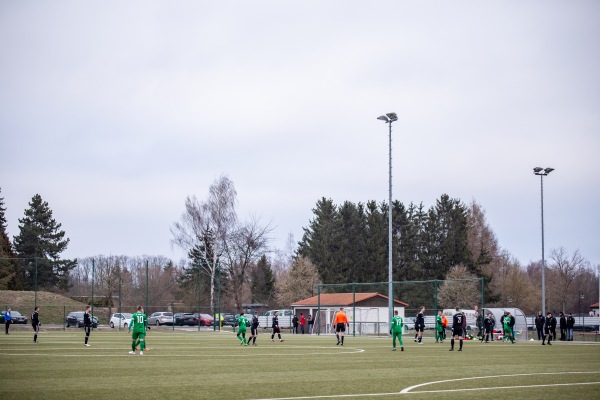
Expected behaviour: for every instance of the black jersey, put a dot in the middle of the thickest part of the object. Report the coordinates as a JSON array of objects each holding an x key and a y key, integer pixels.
[
  {"x": 255, "y": 322},
  {"x": 489, "y": 323},
  {"x": 420, "y": 320},
  {"x": 87, "y": 320},
  {"x": 275, "y": 322},
  {"x": 457, "y": 321},
  {"x": 35, "y": 318}
]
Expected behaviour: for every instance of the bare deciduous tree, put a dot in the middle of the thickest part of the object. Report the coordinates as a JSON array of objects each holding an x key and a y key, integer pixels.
[
  {"x": 297, "y": 282},
  {"x": 561, "y": 276},
  {"x": 458, "y": 292}
]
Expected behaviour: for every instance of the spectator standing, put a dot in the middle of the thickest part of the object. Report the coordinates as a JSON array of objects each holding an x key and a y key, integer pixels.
[
  {"x": 570, "y": 325},
  {"x": 7, "y": 319},
  {"x": 295, "y": 324},
  {"x": 311, "y": 324},
  {"x": 302, "y": 323},
  {"x": 540, "y": 320},
  {"x": 489, "y": 327},
  {"x": 445, "y": 325},
  {"x": 464, "y": 325},
  {"x": 479, "y": 322},
  {"x": 563, "y": 326}
]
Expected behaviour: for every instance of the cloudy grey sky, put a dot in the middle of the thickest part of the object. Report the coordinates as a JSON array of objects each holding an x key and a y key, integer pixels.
[{"x": 115, "y": 111}]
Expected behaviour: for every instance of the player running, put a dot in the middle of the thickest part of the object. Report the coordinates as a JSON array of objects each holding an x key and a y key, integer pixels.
[
  {"x": 253, "y": 329},
  {"x": 457, "y": 329},
  {"x": 139, "y": 321},
  {"x": 339, "y": 324},
  {"x": 241, "y": 333},
  {"x": 275, "y": 326},
  {"x": 396, "y": 330}
]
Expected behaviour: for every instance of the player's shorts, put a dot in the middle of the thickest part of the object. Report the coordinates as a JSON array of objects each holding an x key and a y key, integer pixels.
[
  {"x": 138, "y": 335},
  {"x": 276, "y": 330},
  {"x": 457, "y": 331},
  {"x": 254, "y": 330},
  {"x": 340, "y": 328},
  {"x": 419, "y": 328}
]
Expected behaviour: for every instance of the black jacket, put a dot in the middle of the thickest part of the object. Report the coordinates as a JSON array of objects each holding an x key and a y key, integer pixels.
[
  {"x": 489, "y": 323},
  {"x": 540, "y": 320},
  {"x": 275, "y": 322},
  {"x": 570, "y": 322},
  {"x": 550, "y": 323},
  {"x": 563, "y": 322},
  {"x": 87, "y": 319}
]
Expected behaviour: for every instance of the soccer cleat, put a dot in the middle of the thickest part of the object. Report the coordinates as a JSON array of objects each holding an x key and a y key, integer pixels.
[
  {"x": 341, "y": 344},
  {"x": 34, "y": 342},
  {"x": 338, "y": 343},
  {"x": 272, "y": 340},
  {"x": 132, "y": 353},
  {"x": 254, "y": 344},
  {"x": 459, "y": 349},
  {"x": 141, "y": 353},
  {"x": 241, "y": 342},
  {"x": 245, "y": 344},
  {"x": 281, "y": 340},
  {"x": 401, "y": 348},
  {"x": 87, "y": 345},
  {"x": 420, "y": 342},
  {"x": 451, "y": 350},
  {"x": 394, "y": 349}
]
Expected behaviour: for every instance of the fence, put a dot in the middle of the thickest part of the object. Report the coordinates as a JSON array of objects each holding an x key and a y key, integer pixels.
[{"x": 368, "y": 303}]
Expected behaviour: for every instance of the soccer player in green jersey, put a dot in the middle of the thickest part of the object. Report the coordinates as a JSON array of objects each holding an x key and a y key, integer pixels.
[
  {"x": 439, "y": 328},
  {"x": 241, "y": 333},
  {"x": 397, "y": 325},
  {"x": 139, "y": 322}
]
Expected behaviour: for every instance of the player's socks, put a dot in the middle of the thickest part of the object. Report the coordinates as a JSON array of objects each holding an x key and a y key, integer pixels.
[
  {"x": 401, "y": 348},
  {"x": 342, "y": 340},
  {"x": 460, "y": 347},
  {"x": 451, "y": 344},
  {"x": 254, "y": 340}
]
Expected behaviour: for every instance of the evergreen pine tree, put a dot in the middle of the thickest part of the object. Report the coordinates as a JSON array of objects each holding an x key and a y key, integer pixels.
[
  {"x": 8, "y": 261},
  {"x": 262, "y": 288},
  {"x": 40, "y": 241}
]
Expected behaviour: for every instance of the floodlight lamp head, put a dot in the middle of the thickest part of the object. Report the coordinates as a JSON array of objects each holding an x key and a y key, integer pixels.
[
  {"x": 392, "y": 116},
  {"x": 383, "y": 118},
  {"x": 536, "y": 170},
  {"x": 548, "y": 170}
]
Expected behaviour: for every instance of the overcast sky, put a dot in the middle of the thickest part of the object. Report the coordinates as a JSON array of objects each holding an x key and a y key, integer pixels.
[{"x": 115, "y": 111}]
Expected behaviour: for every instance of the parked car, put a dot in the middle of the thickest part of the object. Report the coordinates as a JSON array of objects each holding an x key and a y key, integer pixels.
[
  {"x": 17, "y": 317},
  {"x": 204, "y": 319},
  {"x": 122, "y": 320},
  {"x": 185, "y": 319},
  {"x": 161, "y": 318},
  {"x": 228, "y": 319},
  {"x": 76, "y": 319}
]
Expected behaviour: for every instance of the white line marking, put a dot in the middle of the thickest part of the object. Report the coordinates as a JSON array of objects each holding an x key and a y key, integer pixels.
[{"x": 408, "y": 389}]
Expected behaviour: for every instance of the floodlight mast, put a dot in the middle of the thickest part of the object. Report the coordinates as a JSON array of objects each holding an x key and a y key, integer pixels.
[
  {"x": 543, "y": 172},
  {"x": 389, "y": 118}
]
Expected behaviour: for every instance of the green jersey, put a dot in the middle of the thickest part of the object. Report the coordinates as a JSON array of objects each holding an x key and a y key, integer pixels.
[
  {"x": 439, "y": 325},
  {"x": 139, "y": 322},
  {"x": 397, "y": 324},
  {"x": 242, "y": 321}
]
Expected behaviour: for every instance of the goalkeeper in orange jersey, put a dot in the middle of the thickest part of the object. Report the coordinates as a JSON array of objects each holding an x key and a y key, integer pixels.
[{"x": 339, "y": 324}]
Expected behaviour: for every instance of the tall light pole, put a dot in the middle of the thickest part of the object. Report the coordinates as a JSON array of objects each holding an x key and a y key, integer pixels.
[
  {"x": 389, "y": 118},
  {"x": 542, "y": 172}
]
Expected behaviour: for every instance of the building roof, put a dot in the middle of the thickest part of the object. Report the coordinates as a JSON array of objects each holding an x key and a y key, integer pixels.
[
  {"x": 595, "y": 305},
  {"x": 341, "y": 299}
]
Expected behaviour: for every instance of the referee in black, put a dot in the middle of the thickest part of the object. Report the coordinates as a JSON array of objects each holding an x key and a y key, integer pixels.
[{"x": 87, "y": 324}]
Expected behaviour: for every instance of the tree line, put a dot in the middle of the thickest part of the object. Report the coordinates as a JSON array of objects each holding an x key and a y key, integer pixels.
[{"x": 230, "y": 260}]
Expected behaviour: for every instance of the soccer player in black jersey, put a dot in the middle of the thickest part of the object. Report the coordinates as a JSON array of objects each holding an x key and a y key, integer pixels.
[
  {"x": 35, "y": 323},
  {"x": 253, "y": 329},
  {"x": 275, "y": 326},
  {"x": 457, "y": 329},
  {"x": 420, "y": 325},
  {"x": 87, "y": 324}
]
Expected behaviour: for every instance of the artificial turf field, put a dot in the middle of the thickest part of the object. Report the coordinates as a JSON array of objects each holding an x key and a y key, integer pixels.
[{"x": 209, "y": 365}]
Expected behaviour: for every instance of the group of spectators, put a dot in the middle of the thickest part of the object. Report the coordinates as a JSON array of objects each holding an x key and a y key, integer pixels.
[
  {"x": 546, "y": 327},
  {"x": 301, "y": 323}
]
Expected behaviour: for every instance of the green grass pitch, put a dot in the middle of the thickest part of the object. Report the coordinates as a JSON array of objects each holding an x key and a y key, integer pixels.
[{"x": 213, "y": 365}]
